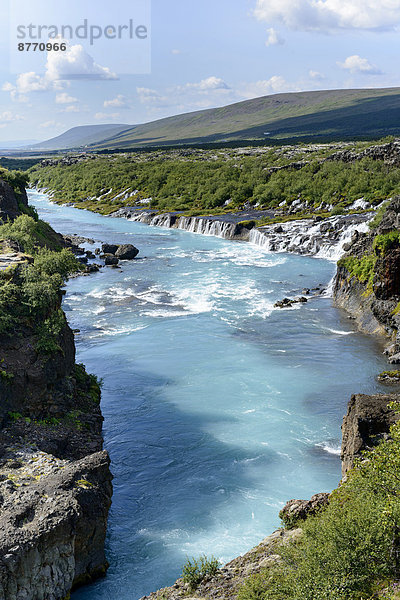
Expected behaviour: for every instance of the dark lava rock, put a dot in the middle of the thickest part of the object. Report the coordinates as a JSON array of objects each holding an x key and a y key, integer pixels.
[
  {"x": 94, "y": 268},
  {"x": 9, "y": 203},
  {"x": 109, "y": 248},
  {"x": 126, "y": 252},
  {"x": 285, "y": 303},
  {"x": 387, "y": 275},
  {"x": 366, "y": 423},
  {"x": 111, "y": 260}
]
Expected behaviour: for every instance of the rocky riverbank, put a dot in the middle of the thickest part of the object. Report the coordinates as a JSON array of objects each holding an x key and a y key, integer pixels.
[
  {"x": 367, "y": 283},
  {"x": 366, "y": 423},
  {"x": 55, "y": 481}
]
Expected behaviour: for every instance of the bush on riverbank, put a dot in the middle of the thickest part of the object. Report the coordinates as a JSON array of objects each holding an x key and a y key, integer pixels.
[
  {"x": 30, "y": 292},
  {"x": 350, "y": 550},
  {"x": 216, "y": 182}
]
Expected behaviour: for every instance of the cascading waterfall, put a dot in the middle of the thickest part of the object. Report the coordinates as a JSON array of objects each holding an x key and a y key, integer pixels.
[
  {"x": 205, "y": 226},
  {"x": 323, "y": 239}
]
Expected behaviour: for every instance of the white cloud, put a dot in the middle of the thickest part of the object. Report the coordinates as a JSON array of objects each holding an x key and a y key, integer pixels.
[
  {"x": 175, "y": 51},
  {"x": 356, "y": 64},
  {"x": 211, "y": 83},
  {"x": 100, "y": 116},
  {"x": 8, "y": 117},
  {"x": 316, "y": 75},
  {"x": 74, "y": 63},
  {"x": 72, "y": 108},
  {"x": 52, "y": 124},
  {"x": 152, "y": 98},
  {"x": 65, "y": 98},
  {"x": 328, "y": 15},
  {"x": 119, "y": 102},
  {"x": 273, "y": 85},
  {"x": 273, "y": 39}
]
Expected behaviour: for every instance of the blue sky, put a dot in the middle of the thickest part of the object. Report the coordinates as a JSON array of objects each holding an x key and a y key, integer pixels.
[{"x": 204, "y": 53}]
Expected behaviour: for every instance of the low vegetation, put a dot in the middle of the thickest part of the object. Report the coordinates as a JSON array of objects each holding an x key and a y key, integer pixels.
[
  {"x": 196, "y": 570},
  {"x": 218, "y": 181},
  {"x": 30, "y": 292}
]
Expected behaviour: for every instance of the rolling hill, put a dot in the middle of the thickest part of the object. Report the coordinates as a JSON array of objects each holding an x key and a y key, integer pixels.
[
  {"x": 82, "y": 136},
  {"x": 331, "y": 114}
]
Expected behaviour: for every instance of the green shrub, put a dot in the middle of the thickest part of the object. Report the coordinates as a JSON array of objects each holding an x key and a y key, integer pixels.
[
  {"x": 362, "y": 268},
  {"x": 197, "y": 186},
  {"x": 386, "y": 241},
  {"x": 196, "y": 570},
  {"x": 29, "y": 234},
  {"x": 338, "y": 210},
  {"x": 49, "y": 332},
  {"x": 376, "y": 221}
]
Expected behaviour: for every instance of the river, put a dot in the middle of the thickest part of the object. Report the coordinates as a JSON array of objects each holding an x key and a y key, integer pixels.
[{"x": 218, "y": 408}]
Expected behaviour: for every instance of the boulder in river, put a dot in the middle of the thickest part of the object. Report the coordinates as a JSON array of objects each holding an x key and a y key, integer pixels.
[
  {"x": 126, "y": 252},
  {"x": 110, "y": 260},
  {"x": 109, "y": 248},
  {"x": 121, "y": 251}
]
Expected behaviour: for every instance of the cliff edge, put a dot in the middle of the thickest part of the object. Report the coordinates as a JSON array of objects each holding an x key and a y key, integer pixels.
[
  {"x": 367, "y": 282},
  {"x": 55, "y": 481}
]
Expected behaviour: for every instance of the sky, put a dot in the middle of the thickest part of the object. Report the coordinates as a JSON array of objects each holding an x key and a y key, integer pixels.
[{"x": 183, "y": 55}]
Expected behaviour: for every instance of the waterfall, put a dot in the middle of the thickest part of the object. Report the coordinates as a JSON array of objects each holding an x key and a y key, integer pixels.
[
  {"x": 323, "y": 239},
  {"x": 206, "y": 226}
]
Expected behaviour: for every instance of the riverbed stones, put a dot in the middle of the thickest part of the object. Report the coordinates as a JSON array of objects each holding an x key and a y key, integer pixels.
[
  {"x": 288, "y": 302},
  {"x": 120, "y": 251},
  {"x": 110, "y": 260}
]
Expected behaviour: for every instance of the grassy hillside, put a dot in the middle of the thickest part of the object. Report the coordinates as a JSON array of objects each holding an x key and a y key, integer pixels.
[
  {"x": 82, "y": 136},
  {"x": 331, "y": 114}
]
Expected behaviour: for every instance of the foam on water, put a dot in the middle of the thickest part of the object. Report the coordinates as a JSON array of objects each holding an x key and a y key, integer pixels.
[{"x": 218, "y": 408}]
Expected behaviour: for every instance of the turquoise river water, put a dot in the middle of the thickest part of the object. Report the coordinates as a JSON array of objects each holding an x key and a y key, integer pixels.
[{"x": 218, "y": 408}]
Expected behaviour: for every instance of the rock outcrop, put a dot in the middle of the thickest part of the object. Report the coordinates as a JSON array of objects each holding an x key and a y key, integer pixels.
[
  {"x": 11, "y": 202},
  {"x": 113, "y": 253},
  {"x": 296, "y": 511},
  {"x": 367, "y": 422},
  {"x": 52, "y": 523},
  {"x": 372, "y": 294}
]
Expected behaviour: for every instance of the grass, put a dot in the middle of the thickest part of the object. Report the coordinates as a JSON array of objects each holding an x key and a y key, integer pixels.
[
  {"x": 195, "y": 570},
  {"x": 335, "y": 114}
]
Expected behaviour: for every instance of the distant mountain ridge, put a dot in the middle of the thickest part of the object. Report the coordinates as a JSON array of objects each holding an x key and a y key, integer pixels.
[
  {"x": 325, "y": 115},
  {"x": 82, "y": 136}
]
